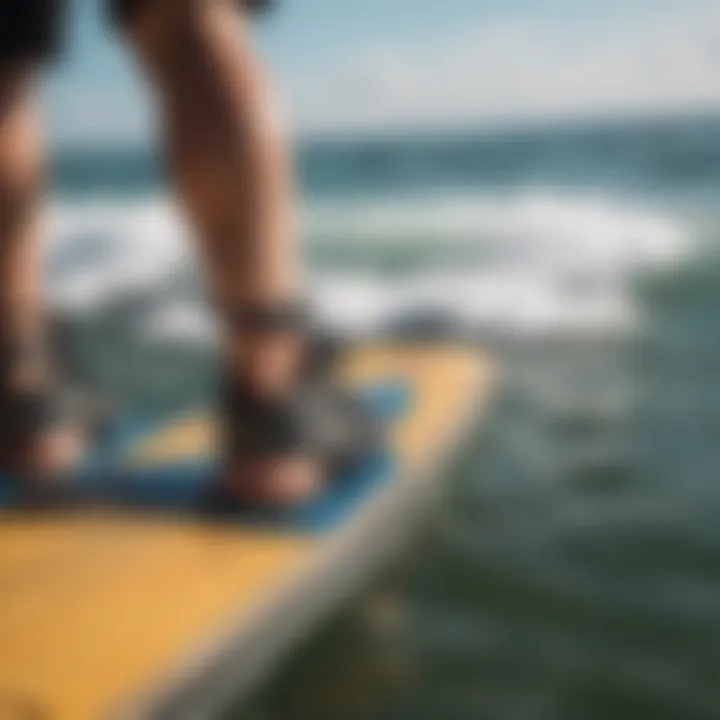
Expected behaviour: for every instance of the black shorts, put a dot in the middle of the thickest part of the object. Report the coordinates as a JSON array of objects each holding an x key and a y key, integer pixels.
[
  {"x": 29, "y": 29},
  {"x": 33, "y": 29}
]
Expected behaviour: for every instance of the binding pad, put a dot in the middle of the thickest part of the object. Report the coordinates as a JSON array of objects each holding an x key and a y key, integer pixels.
[{"x": 181, "y": 480}]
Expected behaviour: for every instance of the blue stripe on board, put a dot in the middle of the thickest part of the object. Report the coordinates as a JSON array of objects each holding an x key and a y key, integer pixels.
[{"x": 184, "y": 488}]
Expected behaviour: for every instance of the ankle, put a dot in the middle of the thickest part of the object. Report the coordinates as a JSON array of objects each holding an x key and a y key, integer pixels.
[
  {"x": 265, "y": 345},
  {"x": 269, "y": 363}
]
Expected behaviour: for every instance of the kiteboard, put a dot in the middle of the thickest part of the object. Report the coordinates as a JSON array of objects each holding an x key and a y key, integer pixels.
[{"x": 150, "y": 609}]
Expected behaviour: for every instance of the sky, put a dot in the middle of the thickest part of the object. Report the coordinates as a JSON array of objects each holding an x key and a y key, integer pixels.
[{"x": 361, "y": 66}]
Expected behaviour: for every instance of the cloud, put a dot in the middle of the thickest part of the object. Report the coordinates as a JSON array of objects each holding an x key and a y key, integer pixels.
[
  {"x": 522, "y": 68},
  {"x": 518, "y": 70}
]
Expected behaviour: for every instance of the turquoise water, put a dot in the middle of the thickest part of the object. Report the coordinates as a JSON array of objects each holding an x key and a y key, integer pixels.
[{"x": 572, "y": 569}]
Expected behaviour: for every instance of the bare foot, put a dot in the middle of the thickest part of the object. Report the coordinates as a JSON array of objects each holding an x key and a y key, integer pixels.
[
  {"x": 46, "y": 458},
  {"x": 271, "y": 364},
  {"x": 274, "y": 482}
]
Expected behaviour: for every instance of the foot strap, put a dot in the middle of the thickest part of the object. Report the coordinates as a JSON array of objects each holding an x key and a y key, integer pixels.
[
  {"x": 318, "y": 418},
  {"x": 26, "y": 413}
]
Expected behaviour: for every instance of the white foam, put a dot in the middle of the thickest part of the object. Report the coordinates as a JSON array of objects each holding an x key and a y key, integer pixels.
[
  {"x": 184, "y": 320},
  {"x": 98, "y": 250},
  {"x": 540, "y": 263}
]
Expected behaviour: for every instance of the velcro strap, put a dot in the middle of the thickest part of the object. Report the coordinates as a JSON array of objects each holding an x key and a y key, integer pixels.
[
  {"x": 23, "y": 414},
  {"x": 322, "y": 421},
  {"x": 256, "y": 427}
]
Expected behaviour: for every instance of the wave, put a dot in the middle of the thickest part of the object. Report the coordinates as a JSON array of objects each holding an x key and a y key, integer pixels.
[{"x": 528, "y": 263}]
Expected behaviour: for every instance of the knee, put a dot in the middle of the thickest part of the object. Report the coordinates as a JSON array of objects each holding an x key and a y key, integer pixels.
[
  {"x": 126, "y": 12},
  {"x": 164, "y": 32},
  {"x": 166, "y": 21},
  {"x": 20, "y": 144}
]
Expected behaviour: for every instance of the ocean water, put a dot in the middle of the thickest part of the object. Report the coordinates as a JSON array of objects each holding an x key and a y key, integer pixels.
[{"x": 573, "y": 570}]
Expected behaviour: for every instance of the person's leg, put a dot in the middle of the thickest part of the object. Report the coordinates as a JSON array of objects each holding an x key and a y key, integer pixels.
[
  {"x": 20, "y": 199},
  {"x": 229, "y": 166},
  {"x": 28, "y": 31}
]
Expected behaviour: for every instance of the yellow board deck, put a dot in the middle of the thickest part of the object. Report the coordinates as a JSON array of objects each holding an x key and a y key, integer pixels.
[{"x": 117, "y": 615}]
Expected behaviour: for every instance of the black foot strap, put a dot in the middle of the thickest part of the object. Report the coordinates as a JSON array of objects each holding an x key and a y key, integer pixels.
[
  {"x": 323, "y": 421},
  {"x": 25, "y": 414},
  {"x": 319, "y": 418}
]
